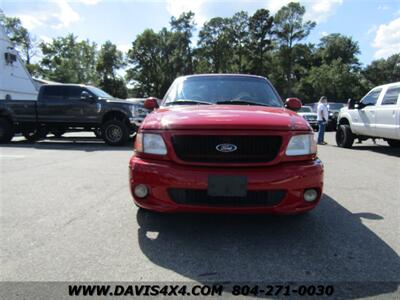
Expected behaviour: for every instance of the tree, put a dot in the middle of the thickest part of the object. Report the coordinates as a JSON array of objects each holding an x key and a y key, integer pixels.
[
  {"x": 69, "y": 61},
  {"x": 290, "y": 29},
  {"x": 260, "y": 29},
  {"x": 336, "y": 80},
  {"x": 183, "y": 28},
  {"x": 238, "y": 27},
  {"x": 158, "y": 58},
  {"x": 382, "y": 71},
  {"x": 214, "y": 42},
  {"x": 25, "y": 43},
  {"x": 335, "y": 46},
  {"x": 109, "y": 61},
  {"x": 146, "y": 59}
]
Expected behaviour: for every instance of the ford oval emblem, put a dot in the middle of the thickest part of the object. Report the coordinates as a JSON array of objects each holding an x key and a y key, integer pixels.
[{"x": 226, "y": 148}]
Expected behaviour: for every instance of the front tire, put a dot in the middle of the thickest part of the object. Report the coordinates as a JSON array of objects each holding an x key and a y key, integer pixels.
[
  {"x": 344, "y": 136},
  {"x": 6, "y": 131},
  {"x": 394, "y": 143},
  {"x": 115, "y": 133}
]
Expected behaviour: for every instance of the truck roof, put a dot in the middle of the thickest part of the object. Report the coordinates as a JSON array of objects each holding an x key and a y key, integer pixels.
[
  {"x": 224, "y": 74},
  {"x": 65, "y": 84},
  {"x": 387, "y": 85}
]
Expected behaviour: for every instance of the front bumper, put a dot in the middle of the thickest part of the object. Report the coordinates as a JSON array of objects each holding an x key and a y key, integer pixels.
[
  {"x": 292, "y": 177},
  {"x": 137, "y": 121},
  {"x": 313, "y": 124}
]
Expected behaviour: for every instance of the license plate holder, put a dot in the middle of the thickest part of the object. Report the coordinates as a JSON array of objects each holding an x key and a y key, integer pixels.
[{"x": 227, "y": 186}]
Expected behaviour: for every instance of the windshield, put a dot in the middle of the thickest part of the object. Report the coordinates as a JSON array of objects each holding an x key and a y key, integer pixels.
[
  {"x": 335, "y": 106},
  {"x": 99, "y": 93},
  {"x": 222, "y": 90},
  {"x": 305, "y": 109}
]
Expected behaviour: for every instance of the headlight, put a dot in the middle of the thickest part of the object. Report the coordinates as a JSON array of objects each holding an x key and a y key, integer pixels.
[
  {"x": 150, "y": 143},
  {"x": 134, "y": 110},
  {"x": 302, "y": 144}
]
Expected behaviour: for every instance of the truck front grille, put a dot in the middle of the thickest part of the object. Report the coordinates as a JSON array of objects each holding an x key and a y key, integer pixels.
[
  {"x": 252, "y": 199},
  {"x": 249, "y": 149}
]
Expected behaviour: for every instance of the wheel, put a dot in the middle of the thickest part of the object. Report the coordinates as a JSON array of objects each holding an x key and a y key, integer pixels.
[
  {"x": 97, "y": 133},
  {"x": 344, "y": 136},
  {"x": 6, "y": 130},
  {"x": 394, "y": 143},
  {"x": 58, "y": 132},
  {"x": 115, "y": 133},
  {"x": 33, "y": 135}
]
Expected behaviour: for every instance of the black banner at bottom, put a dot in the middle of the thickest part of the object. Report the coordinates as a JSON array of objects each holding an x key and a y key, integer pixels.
[{"x": 196, "y": 290}]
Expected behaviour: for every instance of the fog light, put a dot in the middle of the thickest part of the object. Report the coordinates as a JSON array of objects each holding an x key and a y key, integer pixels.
[
  {"x": 310, "y": 195},
  {"x": 141, "y": 191}
]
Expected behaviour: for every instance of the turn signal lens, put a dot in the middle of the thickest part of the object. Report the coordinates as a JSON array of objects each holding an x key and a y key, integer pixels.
[{"x": 139, "y": 143}]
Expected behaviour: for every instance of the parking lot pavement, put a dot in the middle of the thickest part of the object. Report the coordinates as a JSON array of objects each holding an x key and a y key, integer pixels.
[{"x": 67, "y": 215}]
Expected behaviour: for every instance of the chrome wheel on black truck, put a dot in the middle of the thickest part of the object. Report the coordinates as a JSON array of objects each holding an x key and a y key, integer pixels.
[
  {"x": 115, "y": 132},
  {"x": 6, "y": 130}
]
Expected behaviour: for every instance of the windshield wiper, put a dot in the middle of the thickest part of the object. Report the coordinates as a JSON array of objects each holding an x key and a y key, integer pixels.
[
  {"x": 187, "y": 101},
  {"x": 240, "y": 102}
]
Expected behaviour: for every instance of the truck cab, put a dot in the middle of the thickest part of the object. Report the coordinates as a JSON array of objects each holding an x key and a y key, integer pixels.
[{"x": 377, "y": 115}]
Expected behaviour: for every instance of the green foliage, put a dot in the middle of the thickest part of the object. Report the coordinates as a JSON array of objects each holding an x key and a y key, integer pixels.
[
  {"x": 383, "y": 71},
  {"x": 182, "y": 28},
  {"x": 20, "y": 36},
  {"x": 290, "y": 28},
  {"x": 335, "y": 46},
  {"x": 146, "y": 59},
  {"x": 158, "y": 58},
  {"x": 67, "y": 60},
  {"x": 215, "y": 44},
  {"x": 109, "y": 60},
  {"x": 336, "y": 80},
  {"x": 261, "y": 44},
  {"x": 238, "y": 29},
  {"x": 260, "y": 33}
]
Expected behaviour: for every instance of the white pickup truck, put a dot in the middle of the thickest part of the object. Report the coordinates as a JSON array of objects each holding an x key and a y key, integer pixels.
[{"x": 377, "y": 115}]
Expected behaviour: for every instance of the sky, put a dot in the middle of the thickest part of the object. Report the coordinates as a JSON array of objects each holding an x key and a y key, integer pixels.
[{"x": 374, "y": 24}]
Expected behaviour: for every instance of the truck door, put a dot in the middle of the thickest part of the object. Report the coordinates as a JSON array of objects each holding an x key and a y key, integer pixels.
[
  {"x": 82, "y": 111},
  {"x": 363, "y": 120},
  {"x": 52, "y": 104},
  {"x": 62, "y": 104},
  {"x": 387, "y": 115}
]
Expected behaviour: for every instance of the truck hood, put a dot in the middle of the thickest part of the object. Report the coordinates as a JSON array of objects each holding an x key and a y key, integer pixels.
[{"x": 224, "y": 117}]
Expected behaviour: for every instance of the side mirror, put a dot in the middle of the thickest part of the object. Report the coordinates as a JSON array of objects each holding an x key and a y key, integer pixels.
[
  {"x": 85, "y": 96},
  {"x": 361, "y": 105},
  {"x": 151, "y": 103},
  {"x": 293, "y": 104},
  {"x": 352, "y": 104}
]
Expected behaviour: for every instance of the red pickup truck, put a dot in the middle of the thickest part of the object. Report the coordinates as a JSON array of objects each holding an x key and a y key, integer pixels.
[{"x": 225, "y": 143}]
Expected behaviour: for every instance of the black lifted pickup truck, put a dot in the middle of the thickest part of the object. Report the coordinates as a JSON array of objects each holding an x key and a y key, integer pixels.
[{"x": 70, "y": 107}]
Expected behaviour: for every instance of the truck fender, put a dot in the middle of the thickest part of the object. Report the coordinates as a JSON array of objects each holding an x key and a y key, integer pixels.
[
  {"x": 344, "y": 118},
  {"x": 115, "y": 113}
]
